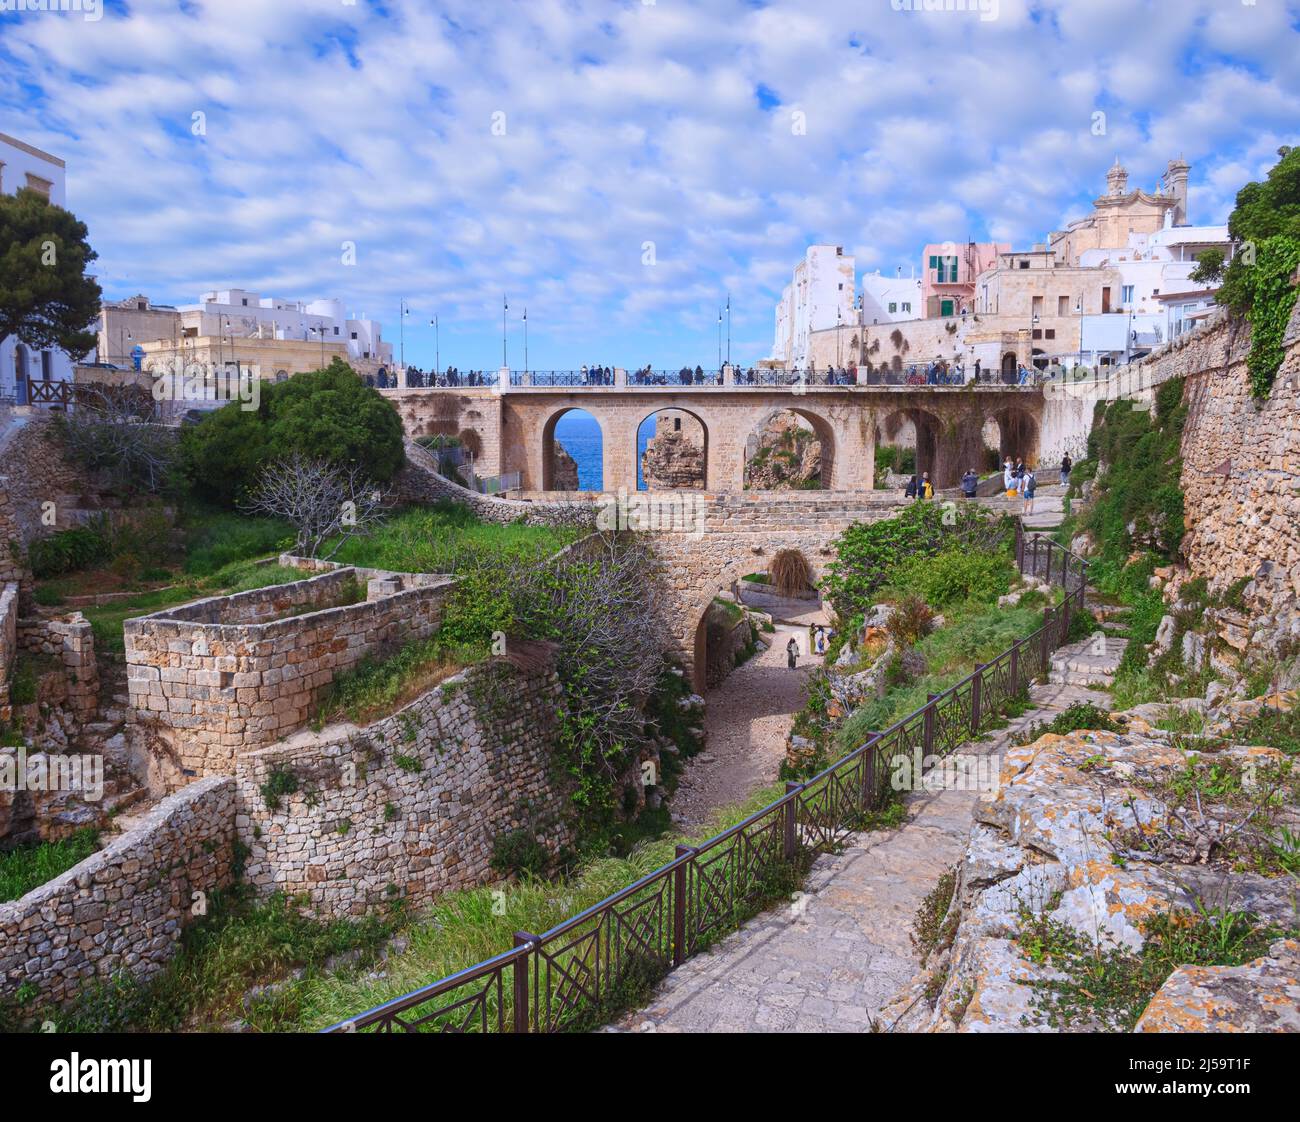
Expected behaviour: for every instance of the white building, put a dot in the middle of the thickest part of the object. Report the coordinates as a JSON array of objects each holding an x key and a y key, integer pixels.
[
  {"x": 238, "y": 314},
  {"x": 890, "y": 299},
  {"x": 820, "y": 295},
  {"x": 22, "y": 165}
]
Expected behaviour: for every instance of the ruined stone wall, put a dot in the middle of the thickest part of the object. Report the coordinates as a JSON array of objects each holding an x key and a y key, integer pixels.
[
  {"x": 471, "y": 414},
  {"x": 122, "y": 909},
  {"x": 69, "y": 641},
  {"x": 411, "y": 806},
  {"x": 225, "y": 675}
]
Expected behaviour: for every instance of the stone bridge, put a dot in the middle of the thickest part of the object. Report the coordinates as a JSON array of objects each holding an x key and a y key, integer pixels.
[{"x": 513, "y": 429}]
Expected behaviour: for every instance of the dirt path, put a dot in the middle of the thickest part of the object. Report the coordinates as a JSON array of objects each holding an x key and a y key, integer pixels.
[{"x": 745, "y": 723}]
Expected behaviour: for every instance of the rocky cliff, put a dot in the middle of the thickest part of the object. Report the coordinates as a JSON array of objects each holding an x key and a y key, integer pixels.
[{"x": 786, "y": 457}]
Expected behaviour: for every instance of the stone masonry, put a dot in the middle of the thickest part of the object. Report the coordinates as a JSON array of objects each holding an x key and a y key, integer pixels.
[
  {"x": 122, "y": 909},
  {"x": 229, "y": 674},
  {"x": 411, "y": 806}
]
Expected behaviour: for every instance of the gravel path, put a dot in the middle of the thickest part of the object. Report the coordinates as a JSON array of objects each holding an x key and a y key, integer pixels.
[{"x": 745, "y": 723}]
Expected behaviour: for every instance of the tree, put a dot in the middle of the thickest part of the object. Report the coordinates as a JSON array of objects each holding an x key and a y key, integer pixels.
[
  {"x": 328, "y": 415},
  {"x": 46, "y": 299},
  {"x": 321, "y": 500},
  {"x": 110, "y": 432}
]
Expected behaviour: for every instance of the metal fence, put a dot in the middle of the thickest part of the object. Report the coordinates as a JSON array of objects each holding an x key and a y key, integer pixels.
[{"x": 572, "y": 976}]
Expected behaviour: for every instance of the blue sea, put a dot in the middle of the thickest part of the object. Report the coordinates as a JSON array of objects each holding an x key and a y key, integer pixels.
[{"x": 579, "y": 433}]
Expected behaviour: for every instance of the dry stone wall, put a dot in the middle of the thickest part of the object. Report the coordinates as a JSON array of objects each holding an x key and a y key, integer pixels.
[
  {"x": 122, "y": 909},
  {"x": 411, "y": 806},
  {"x": 8, "y": 641},
  {"x": 69, "y": 643},
  {"x": 229, "y": 674}
]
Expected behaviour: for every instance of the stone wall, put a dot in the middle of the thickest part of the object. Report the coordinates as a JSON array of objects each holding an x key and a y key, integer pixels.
[
  {"x": 122, "y": 909},
  {"x": 8, "y": 641},
  {"x": 228, "y": 674},
  {"x": 412, "y": 805},
  {"x": 1241, "y": 475},
  {"x": 68, "y": 641}
]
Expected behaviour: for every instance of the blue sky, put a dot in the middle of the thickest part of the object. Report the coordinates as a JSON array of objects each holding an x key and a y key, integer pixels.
[{"x": 473, "y": 148}]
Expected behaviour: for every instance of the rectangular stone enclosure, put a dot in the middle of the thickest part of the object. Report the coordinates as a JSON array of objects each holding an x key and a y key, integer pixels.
[{"x": 225, "y": 675}]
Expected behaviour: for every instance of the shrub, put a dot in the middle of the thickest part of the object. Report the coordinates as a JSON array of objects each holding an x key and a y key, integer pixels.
[
  {"x": 954, "y": 576},
  {"x": 326, "y": 414},
  {"x": 519, "y": 853},
  {"x": 67, "y": 551},
  {"x": 789, "y": 572},
  {"x": 910, "y": 621}
]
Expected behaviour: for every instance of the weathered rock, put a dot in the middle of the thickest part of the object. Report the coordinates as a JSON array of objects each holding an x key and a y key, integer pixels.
[{"x": 1261, "y": 996}]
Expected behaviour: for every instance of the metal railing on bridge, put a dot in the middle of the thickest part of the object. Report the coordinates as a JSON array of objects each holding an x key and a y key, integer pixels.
[{"x": 571, "y": 976}]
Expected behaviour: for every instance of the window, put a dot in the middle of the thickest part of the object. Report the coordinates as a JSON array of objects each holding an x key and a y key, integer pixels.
[
  {"x": 244, "y": 301},
  {"x": 47, "y": 366},
  {"x": 1126, "y": 294},
  {"x": 945, "y": 269},
  {"x": 140, "y": 305},
  {"x": 893, "y": 308},
  {"x": 1038, "y": 332},
  {"x": 907, "y": 307},
  {"x": 354, "y": 334},
  {"x": 1062, "y": 305},
  {"x": 1050, "y": 333},
  {"x": 336, "y": 330},
  {"x": 1024, "y": 264},
  {"x": 39, "y": 185}
]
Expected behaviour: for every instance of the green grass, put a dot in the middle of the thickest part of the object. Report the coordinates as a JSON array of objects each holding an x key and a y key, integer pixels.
[
  {"x": 29, "y": 867},
  {"x": 215, "y": 539},
  {"x": 447, "y": 538},
  {"x": 971, "y": 635},
  {"x": 106, "y": 619}
]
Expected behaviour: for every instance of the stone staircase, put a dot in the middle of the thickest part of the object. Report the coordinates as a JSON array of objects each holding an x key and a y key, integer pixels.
[{"x": 1091, "y": 663}]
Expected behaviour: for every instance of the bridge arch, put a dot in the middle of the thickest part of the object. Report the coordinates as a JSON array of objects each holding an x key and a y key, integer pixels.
[
  {"x": 929, "y": 429},
  {"x": 822, "y": 428},
  {"x": 1018, "y": 434},
  {"x": 704, "y": 431},
  {"x": 550, "y": 443}
]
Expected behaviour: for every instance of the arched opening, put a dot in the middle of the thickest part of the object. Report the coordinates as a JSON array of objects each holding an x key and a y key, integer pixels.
[
  {"x": 1009, "y": 368},
  {"x": 790, "y": 450},
  {"x": 907, "y": 444},
  {"x": 1017, "y": 435},
  {"x": 573, "y": 457},
  {"x": 672, "y": 451},
  {"x": 1039, "y": 358}
]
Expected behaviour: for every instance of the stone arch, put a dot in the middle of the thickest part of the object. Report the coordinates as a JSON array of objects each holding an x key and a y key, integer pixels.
[
  {"x": 822, "y": 429},
  {"x": 1018, "y": 434},
  {"x": 1009, "y": 368},
  {"x": 696, "y": 417},
  {"x": 549, "y": 443},
  {"x": 929, "y": 430}
]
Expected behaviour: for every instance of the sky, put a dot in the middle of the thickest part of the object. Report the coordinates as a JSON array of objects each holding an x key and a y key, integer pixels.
[{"x": 617, "y": 167}]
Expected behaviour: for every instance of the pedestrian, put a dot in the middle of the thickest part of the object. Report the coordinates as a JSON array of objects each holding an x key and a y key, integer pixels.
[
  {"x": 792, "y": 653},
  {"x": 927, "y": 488},
  {"x": 912, "y": 488},
  {"x": 1066, "y": 465},
  {"x": 1027, "y": 484},
  {"x": 969, "y": 482},
  {"x": 1008, "y": 476},
  {"x": 819, "y": 640},
  {"x": 977, "y": 370}
]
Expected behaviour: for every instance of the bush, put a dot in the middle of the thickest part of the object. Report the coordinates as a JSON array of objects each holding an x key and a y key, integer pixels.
[
  {"x": 910, "y": 621},
  {"x": 68, "y": 551},
  {"x": 789, "y": 572},
  {"x": 955, "y": 576},
  {"x": 519, "y": 853},
  {"x": 869, "y": 554},
  {"x": 326, "y": 414}
]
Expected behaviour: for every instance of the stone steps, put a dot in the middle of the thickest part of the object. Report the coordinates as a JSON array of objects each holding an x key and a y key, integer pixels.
[{"x": 1092, "y": 662}]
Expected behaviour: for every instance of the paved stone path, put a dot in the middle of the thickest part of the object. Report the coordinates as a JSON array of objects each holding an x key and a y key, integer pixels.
[
  {"x": 745, "y": 725},
  {"x": 831, "y": 960}
]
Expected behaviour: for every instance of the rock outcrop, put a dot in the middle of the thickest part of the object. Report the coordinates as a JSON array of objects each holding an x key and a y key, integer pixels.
[
  {"x": 673, "y": 458},
  {"x": 1092, "y": 842},
  {"x": 787, "y": 457}
]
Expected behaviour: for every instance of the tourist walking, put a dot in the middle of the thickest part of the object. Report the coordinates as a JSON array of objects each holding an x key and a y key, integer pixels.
[
  {"x": 927, "y": 488},
  {"x": 1028, "y": 482},
  {"x": 792, "y": 653},
  {"x": 913, "y": 488},
  {"x": 969, "y": 482},
  {"x": 1066, "y": 465}
]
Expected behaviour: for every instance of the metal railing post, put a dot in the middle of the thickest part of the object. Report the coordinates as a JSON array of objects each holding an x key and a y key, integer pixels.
[
  {"x": 1048, "y": 578},
  {"x": 791, "y": 825},
  {"x": 679, "y": 905},
  {"x": 976, "y": 698},
  {"x": 928, "y": 724},
  {"x": 522, "y": 965},
  {"x": 869, "y": 757},
  {"x": 1015, "y": 670},
  {"x": 1047, "y": 639}
]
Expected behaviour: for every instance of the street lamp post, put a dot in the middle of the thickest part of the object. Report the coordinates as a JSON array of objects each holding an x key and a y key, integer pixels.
[
  {"x": 437, "y": 352},
  {"x": 505, "y": 307},
  {"x": 525, "y": 339},
  {"x": 719, "y": 338},
  {"x": 728, "y": 328},
  {"x": 405, "y": 309}
]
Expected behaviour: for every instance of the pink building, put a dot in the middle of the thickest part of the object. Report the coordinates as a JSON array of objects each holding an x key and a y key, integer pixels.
[{"x": 948, "y": 273}]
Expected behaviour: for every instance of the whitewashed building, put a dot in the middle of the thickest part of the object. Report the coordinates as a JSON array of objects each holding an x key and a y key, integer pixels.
[
  {"x": 820, "y": 295},
  {"x": 886, "y": 299},
  {"x": 23, "y": 165}
]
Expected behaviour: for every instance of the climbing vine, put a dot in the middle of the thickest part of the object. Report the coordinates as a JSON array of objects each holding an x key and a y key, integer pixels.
[{"x": 1273, "y": 300}]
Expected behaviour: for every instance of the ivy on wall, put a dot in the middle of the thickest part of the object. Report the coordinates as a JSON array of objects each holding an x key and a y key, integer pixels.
[{"x": 1273, "y": 300}]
